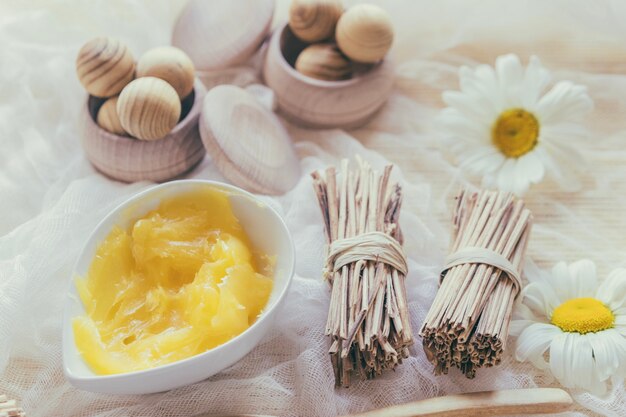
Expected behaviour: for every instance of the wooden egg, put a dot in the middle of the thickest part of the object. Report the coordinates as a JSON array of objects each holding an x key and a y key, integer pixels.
[
  {"x": 365, "y": 33},
  {"x": 314, "y": 20},
  {"x": 104, "y": 67},
  {"x": 108, "y": 119},
  {"x": 324, "y": 61},
  {"x": 148, "y": 108},
  {"x": 169, "y": 64}
]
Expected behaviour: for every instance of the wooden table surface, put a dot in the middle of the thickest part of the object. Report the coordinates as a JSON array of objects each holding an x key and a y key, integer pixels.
[{"x": 578, "y": 40}]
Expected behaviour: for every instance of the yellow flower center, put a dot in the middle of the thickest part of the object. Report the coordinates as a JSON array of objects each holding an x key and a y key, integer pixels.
[
  {"x": 515, "y": 132},
  {"x": 583, "y": 315}
]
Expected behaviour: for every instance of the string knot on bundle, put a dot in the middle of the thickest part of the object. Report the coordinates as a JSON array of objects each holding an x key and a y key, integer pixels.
[
  {"x": 478, "y": 255},
  {"x": 371, "y": 246}
]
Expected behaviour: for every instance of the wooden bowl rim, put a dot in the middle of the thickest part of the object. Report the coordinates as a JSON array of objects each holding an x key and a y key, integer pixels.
[
  {"x": 191, "y": 117},
  {"x": 282, "y": 61}
]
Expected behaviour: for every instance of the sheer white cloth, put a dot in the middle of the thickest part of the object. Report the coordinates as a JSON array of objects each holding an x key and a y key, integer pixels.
[{"x": 51, "y": 198}]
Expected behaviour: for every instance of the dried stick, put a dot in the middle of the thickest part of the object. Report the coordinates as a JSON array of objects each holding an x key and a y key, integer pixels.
[
  {"x": 368, "y": 318},
  {"x": 468, "y": 322}
]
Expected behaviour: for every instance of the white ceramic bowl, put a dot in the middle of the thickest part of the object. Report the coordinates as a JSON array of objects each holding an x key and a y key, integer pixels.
[{"x": 268, "y": 233}]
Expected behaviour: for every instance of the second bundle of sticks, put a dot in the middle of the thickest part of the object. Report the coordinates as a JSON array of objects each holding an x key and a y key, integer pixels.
[{"x": 468, "y": 322}]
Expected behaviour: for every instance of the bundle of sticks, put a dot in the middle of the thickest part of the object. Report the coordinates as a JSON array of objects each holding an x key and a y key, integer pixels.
[
  {"x": 468, "y": 322},
  {"x": 9, "y": 408},
  {"x": 368, "y": 318}
]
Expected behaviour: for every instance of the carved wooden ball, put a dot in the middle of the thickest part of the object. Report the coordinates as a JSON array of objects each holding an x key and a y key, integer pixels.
[
  {"x": 324, "y": 61},
  {"x": 148, "y": 108},
  {"x": 108, "y": 119},
  {"x": 104, "y": 66},
  {"x": 365, "y": 33},
  {"x": 170, "y": 64},
  {"x": 314, "y": 20}
]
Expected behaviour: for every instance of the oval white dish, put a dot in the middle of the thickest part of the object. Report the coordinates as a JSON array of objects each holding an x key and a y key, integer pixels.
[{"x": 267, "y": 232}]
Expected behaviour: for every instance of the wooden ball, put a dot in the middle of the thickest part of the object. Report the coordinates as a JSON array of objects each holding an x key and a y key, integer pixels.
[
  {"x": 324, "y": 61},
  {"x": 104, "y": 67},
  {"x": 169, "y": 64},
  {"x": 314, "y": 20},
  {"x": 148, "y": 108},
  {"x": 108, "y": 119},
  {"x": 365, "y": 33}
]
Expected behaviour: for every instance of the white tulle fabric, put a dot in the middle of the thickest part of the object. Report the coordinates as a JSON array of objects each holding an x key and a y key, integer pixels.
[{"x": 51, "y": 198}]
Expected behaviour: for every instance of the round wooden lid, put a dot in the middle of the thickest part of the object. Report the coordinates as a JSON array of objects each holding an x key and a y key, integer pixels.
[
  {"x": 247, "y": 142},
  {"x": 220, "y": 34}
]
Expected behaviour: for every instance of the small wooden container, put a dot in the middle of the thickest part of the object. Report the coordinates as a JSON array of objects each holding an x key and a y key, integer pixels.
[
  {"x": 323, "y": 104},
  {"x": 128, "y": 159}
]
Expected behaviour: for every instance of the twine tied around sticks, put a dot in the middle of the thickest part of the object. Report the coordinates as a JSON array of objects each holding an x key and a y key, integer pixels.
[
  {"x": 370, "y": 246},
  {"x": 478, "y": 255}
]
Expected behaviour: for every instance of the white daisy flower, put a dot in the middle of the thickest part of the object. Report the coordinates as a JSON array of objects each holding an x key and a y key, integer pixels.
[
  {"x": 579, "y": 325},
  {"x": 504, "y": 126}
]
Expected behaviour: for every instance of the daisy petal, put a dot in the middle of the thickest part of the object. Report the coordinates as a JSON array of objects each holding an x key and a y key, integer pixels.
[
  {"x": 482, "y": 84},
  {"x": 486, "y": 75},
  {"x": 536, "y": 79},
  {"x": 559, "y": 357},
  {"x": 530, "y": 166},
  {"x": 564, "y": 102},
  {"x": 509, "y": 69},
  {"x": 506, "y": 180},
  {"x": 521, "y": 180},
  {"x": 523, "y": 317},
  {"x": 618, "y": 342},
  {"x": 510, "y": 74},
  {"x": 540, "y": 298},
  {"x": 562, "y": 282},
  {"x": 582, "y": 370},
  {"x": 533, "y": 343},
  {"x": 524, "y": 313},
  {"x": 612, "y": 291},
  {"x": 516, "y": 327},
  {"x": 466, "y": 105},
  {"x": 571, "y": 362},
  {"x": 605, "y": 355},
  {"x": 583, "y": 278},
  {"x": 526, "y": 173},
  {"x": 482, "y": 160},
  {"x": 620, "y": 321},
  {"x": 462, "y": 128}
]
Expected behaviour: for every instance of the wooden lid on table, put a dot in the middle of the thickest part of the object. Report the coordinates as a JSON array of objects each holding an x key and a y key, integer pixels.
[
  {"x": 247, "y": 142},
  {"x": 221, "y": 34}
]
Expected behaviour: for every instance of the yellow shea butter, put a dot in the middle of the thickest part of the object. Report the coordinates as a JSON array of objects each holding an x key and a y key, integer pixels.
[{"x": 183, "y": 279}]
